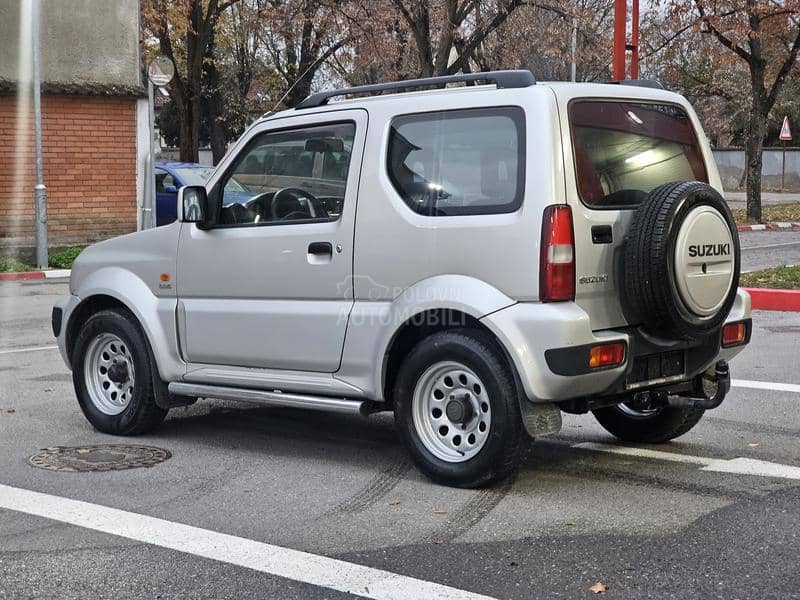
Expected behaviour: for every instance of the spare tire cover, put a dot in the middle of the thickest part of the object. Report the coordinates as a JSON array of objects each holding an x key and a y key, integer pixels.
[{"x": 681, "y": 261}]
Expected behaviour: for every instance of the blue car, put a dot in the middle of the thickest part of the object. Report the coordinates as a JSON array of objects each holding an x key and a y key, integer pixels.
[{"x": 171, "y": 176}]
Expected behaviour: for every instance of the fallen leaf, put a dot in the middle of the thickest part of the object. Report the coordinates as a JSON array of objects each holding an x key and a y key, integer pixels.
[
  {"x": 395, "y": 503},
  {"x": 598, "y": 588},
  {"x": 439, "y": 511}
]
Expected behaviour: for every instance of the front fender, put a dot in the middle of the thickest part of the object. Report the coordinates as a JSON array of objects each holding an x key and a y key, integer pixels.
[{"x": 156, "y": 315}]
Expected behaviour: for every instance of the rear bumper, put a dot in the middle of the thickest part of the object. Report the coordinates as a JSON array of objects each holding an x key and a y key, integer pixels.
[{"x": 531, "y": 331}]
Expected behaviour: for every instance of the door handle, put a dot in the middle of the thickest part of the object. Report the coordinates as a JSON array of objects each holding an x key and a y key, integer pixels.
[
  {"x": 602, "y": 234},
  {"x": 320, "y": 248},
  {"x": 319, "y": 253}
]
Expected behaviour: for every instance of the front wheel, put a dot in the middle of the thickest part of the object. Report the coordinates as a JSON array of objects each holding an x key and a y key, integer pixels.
[
  {"x": 456, "y": 406},
  {"x": 113, "y": 375},
  {"x": 633, "y": 422}
]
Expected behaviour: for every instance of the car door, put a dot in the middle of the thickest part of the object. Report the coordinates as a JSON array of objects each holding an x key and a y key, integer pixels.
[
  {"x": 269, "y": 285},
  {"x": 166, "y": 197}
]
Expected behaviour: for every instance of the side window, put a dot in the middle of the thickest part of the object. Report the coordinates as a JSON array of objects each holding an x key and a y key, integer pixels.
[
  {"x": 168, "y": 181},
  {"x": 460, "y": 162},
  {"x": 160, "y": 176},
  {"x": 288, "y": 176}
]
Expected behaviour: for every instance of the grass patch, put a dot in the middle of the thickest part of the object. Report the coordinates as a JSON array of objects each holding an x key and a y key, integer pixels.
[
  {"x": 12, "y": 265},
  {"x": 771, "y": 213},
  {"x": 65, "y": 258},
  {"x": 784, "y": 278}
]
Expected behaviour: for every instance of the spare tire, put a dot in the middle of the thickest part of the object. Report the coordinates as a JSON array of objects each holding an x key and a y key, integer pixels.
[{"x": 681, "y": 261}]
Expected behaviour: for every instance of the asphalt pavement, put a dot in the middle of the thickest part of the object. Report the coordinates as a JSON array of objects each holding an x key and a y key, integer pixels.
[
  {"x": 764, "y": 249},
  {"x": 696, "y": 522}
]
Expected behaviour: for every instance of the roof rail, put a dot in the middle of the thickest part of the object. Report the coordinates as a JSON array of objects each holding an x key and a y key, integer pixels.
[
  {"x": 502, "y": 79},
  {"x": 648, "y": 83}
]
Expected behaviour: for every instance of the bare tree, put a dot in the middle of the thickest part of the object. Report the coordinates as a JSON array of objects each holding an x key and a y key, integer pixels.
[
  {"x": 184, "y": 30},
  {"x": 763, "y": 35}
]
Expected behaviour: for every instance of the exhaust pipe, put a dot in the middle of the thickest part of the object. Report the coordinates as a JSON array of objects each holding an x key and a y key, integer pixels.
[{"x": 708, "y": 390}]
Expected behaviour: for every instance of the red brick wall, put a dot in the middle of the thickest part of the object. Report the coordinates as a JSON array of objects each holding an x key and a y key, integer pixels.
[{"x": 89, "y": 146}]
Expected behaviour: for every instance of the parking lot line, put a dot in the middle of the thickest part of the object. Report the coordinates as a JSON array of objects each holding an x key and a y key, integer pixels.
[
  {"x": 766, "y": 385},
  {"x": 36, "y": 349},
  {"x": 736, "y": 466},
  {"x": 274, "y": 560}
]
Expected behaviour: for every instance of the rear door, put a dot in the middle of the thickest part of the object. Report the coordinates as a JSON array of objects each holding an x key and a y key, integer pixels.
[{"x": 617, "y": 150}]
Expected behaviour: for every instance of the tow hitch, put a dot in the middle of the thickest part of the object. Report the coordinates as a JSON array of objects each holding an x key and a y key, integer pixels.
[{"x": 708, "y": 389}]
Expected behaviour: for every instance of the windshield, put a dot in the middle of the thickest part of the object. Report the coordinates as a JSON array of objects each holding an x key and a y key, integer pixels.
[
  {"x": 195, "y": 176},
  {"x": 623, "y": 150}
]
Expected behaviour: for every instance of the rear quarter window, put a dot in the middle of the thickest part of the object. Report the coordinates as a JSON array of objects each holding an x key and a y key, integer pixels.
[
  {"x": 623, "y": 150},
  {"x": 459, "y": 162}
]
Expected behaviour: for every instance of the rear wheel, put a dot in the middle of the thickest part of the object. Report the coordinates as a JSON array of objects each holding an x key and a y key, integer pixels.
[
  {"x": 633, "y": 422},
  {"x": 457, "y": 409},
  {"x": 113, "y": 375}
]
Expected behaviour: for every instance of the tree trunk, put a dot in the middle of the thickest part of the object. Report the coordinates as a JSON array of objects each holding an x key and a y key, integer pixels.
[
  {"x": 187, "y": 143},
  {"x": 754, "y": 148}
]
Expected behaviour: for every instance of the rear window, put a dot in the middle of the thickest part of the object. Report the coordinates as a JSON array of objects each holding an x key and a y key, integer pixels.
[
  {"x": 460, "y": 162},
  {"x": 623, "y": 150}
]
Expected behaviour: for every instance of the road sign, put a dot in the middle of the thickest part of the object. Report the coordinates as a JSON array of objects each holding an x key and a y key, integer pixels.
[
  {"x": 160, "y": 71},
  {"x": 786, "y": 133}
]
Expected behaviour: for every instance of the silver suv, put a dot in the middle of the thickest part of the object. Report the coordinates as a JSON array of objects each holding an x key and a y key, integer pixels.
[{"x": 477, "y": 259}]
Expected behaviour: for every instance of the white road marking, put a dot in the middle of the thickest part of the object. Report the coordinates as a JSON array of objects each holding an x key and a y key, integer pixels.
[
  {"x": 266, "y": 558},
  {"x": 738, "y": 466},
  {"x": 36, "y": 349},
  {"x": 766, "y": 385},
  {"x": 762, "y": 247}
]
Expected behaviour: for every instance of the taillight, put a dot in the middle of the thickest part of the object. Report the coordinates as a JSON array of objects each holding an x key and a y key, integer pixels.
[{"x": 557, "y": 259}]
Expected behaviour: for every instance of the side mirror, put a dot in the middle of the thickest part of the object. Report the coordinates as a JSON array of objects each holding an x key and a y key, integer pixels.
[{"x": 193, "y": 204}]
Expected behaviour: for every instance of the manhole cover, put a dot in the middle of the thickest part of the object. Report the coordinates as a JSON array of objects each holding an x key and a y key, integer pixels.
[{"x": 109, "y": 457}]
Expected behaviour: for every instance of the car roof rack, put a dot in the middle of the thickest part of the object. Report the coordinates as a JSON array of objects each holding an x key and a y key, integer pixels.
[
  {"x": 648, "y": 83},
  {"x": 502, "y": 79}
]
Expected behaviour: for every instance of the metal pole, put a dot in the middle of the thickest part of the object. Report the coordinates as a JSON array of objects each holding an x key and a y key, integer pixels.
[
  {"x": 574, "y": 47},
  {"x": 620, "y": 31},
  {"x": 40, "y": 193},
  {"x": 148, "y": 205},
  {"x": 783, "y": 166},
  {"x": 634, "y": 45}
]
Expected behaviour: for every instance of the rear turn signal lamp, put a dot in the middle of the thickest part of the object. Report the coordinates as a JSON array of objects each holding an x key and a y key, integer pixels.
[
  {"x": 607, "y": 355},
  {"x": 734, "y": 334},
  {"x": 557, "y": 259}
]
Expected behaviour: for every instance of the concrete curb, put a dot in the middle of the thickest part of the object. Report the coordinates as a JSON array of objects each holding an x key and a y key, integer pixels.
[
  {"x": 771, "y": 299},
  {"x": 769, "y": 226},
  {"x": 30, "y": 275}
]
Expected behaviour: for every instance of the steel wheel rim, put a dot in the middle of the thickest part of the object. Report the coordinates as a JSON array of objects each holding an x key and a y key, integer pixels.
[
  {"x": 109, "y": 373},
  {"x": 439, "y": 389}
]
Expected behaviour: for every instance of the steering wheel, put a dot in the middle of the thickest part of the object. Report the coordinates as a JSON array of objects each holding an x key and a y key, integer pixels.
[{"x": 293, "y": 212}]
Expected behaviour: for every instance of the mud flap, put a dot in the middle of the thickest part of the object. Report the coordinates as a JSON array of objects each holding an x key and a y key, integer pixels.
[{"x": 540, "y": 419}]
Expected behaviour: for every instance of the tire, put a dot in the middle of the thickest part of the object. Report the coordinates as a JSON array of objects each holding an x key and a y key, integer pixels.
[
  {"x": 482, "y": 386},
  {"x": 648, "y": 427},
  {"x": 119, "y": 401},
  {"x": 658, "y": 290}
]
